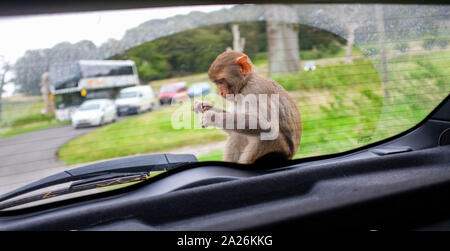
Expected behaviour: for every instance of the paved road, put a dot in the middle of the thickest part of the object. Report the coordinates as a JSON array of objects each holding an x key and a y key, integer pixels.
[{"x": 27, "y": 157}]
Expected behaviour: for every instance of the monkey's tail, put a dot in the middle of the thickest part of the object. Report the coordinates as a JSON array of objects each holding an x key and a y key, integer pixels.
[{"x": 287, "y": 135}]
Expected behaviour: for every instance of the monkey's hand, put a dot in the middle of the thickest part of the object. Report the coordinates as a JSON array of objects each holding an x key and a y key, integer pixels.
[
  {"x": 210, "y": 118},
  {"x": 202, "y": 106}
]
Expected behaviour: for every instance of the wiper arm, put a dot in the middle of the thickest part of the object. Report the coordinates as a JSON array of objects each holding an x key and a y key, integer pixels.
[{"x": 123, "y": 169}]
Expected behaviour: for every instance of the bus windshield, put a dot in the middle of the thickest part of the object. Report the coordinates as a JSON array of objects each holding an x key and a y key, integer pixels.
[{"x": 67, "y": 100}]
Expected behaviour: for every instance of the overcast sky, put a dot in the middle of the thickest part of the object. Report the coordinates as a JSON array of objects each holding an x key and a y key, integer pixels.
[{"x": 18, "y": 34}]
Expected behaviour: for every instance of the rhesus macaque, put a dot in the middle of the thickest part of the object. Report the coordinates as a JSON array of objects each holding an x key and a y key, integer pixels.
[{"x": 274, "y": 112}]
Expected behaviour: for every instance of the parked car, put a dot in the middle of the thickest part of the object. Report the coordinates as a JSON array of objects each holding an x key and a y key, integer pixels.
[
  {"x": 94, "y": 113},
  {"x": 173, "y": 91},
  {"x": 199, "y": 89},
  {"x": 135, "y": 99}
]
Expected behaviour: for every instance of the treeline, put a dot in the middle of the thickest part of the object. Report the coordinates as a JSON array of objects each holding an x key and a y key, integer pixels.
[
  {"x": 193, "y": 51},
  {"x": 34, "y": 63}
]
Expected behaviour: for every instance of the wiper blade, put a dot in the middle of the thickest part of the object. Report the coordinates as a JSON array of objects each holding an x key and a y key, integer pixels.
[
  {"x": 139, "y": 165},
  {"x": 98, "y": 182}
]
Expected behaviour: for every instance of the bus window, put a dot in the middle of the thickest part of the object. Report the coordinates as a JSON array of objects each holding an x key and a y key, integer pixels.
[{"x": 91, "y": 71}]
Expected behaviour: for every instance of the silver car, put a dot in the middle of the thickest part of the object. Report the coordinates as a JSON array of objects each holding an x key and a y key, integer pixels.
[{"x": 94, "y": 113}]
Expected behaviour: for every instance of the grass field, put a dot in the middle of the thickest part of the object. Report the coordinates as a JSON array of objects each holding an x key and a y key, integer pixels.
[
  {"x": 342, "y": 106},
  {"x": 353, "y": 115},
  {"x": 24, "y": 115},
  {"x": 150, "y": 132}
]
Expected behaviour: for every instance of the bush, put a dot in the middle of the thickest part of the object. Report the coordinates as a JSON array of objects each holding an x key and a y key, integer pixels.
[
  {"x": 442, "y": 42},
  {"x": 429, "y": 42},
  {"x": 370, "y": 51},
  {"x": 402, "y": 47},
  {"x": 32, "y": 118},
  {"x": 260, "y": 57},
  {"x": 331, "y": 76}
]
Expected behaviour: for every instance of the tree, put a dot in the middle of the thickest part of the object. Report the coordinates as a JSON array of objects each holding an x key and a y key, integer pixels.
[
  {"x": 34, "y": 63},
  {"x": 282, "y": 39},
  {"x": 5, "y": 68},
  {"x": 351, "y": 17}
]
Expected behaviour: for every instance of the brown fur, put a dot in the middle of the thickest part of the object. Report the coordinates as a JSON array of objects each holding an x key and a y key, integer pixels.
[{"x": 245, "y": 145}]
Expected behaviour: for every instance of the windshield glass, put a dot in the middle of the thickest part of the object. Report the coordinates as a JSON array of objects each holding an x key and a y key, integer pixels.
[
  {"x": 128, "y": 95},
  {"x": 299, "y": 80},
  {"x": 87, "y": 107}
]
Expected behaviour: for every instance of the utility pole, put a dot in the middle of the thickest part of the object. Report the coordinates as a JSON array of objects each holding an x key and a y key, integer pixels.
[
  {"x": 5, "y": 69},
  {"x": 282, "y": 39},
  {"x": 379, "y": 17},
  {"x": 238, "y": 42}
]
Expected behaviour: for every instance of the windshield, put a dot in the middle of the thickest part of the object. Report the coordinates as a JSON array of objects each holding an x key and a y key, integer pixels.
[
  {"x": 87, "y": 107},
  {"x": 68, "y": 100},
  {"x": 298, "y": 80},
  {"x": 128, "y": 95}
]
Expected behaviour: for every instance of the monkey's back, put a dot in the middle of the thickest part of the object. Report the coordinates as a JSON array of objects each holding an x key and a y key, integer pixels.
[{"x": 290, "y": 125}]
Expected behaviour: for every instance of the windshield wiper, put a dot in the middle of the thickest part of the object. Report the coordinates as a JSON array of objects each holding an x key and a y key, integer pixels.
[
  {"x": 83, "y": 185},
  {"x": 107, "y": 173}
]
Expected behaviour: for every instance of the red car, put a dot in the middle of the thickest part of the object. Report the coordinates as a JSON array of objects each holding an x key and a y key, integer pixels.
[{"x": 173, "y": 92}]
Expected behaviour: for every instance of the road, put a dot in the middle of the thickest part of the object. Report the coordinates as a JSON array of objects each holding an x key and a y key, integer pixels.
[
  {"x": 33, "y": 155},
  {"x": 27, "y": 157}
]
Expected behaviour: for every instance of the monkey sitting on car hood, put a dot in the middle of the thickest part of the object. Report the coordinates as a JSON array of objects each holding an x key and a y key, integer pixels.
[{"x": 261, "y": 118}]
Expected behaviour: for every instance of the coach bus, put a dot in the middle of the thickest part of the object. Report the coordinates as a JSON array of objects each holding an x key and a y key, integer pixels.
[{"x": 73, "y": 83}]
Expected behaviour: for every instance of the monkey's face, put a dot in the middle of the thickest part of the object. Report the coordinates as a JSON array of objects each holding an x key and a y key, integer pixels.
[
  {"x": 229, "y": 72},
  {"x": 224, "y": 87}
]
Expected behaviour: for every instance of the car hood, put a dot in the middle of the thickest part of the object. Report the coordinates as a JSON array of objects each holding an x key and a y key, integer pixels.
[
  {"x": 127, "y": 101},
  {"x": 86, "y": 114}
]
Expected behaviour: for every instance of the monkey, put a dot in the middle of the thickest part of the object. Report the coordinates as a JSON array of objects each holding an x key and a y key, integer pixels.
[{"x": 234, "y": 75}]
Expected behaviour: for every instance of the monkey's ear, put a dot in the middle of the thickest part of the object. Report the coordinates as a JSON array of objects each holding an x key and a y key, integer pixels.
[{"x": 244, "y": 65}]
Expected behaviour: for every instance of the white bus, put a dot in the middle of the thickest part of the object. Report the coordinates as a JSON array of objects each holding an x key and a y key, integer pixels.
[{"x": 73, "y": 83}]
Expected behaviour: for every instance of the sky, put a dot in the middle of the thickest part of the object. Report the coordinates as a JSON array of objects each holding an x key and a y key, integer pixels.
[{"x": 18, "y": 34}]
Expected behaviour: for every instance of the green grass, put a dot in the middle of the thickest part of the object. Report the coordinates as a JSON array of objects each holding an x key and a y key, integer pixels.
[
  {"x": 150, "y": 132},
  {"x": 354, "y": 115},
  {"x": 418, "y": 86},
  {"x": 339, "y": 76},
  {"x": 25, "y": 117},
  {"x": 213, "y": 155},
  {"x": 261, "y": 58}
]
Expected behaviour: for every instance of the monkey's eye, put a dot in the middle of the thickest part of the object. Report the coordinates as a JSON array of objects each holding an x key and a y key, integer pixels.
[{"x": 220, "y": 81}]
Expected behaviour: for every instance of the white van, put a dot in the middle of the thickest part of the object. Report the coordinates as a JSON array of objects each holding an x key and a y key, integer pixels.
[{"x": 136, "y": 99}]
